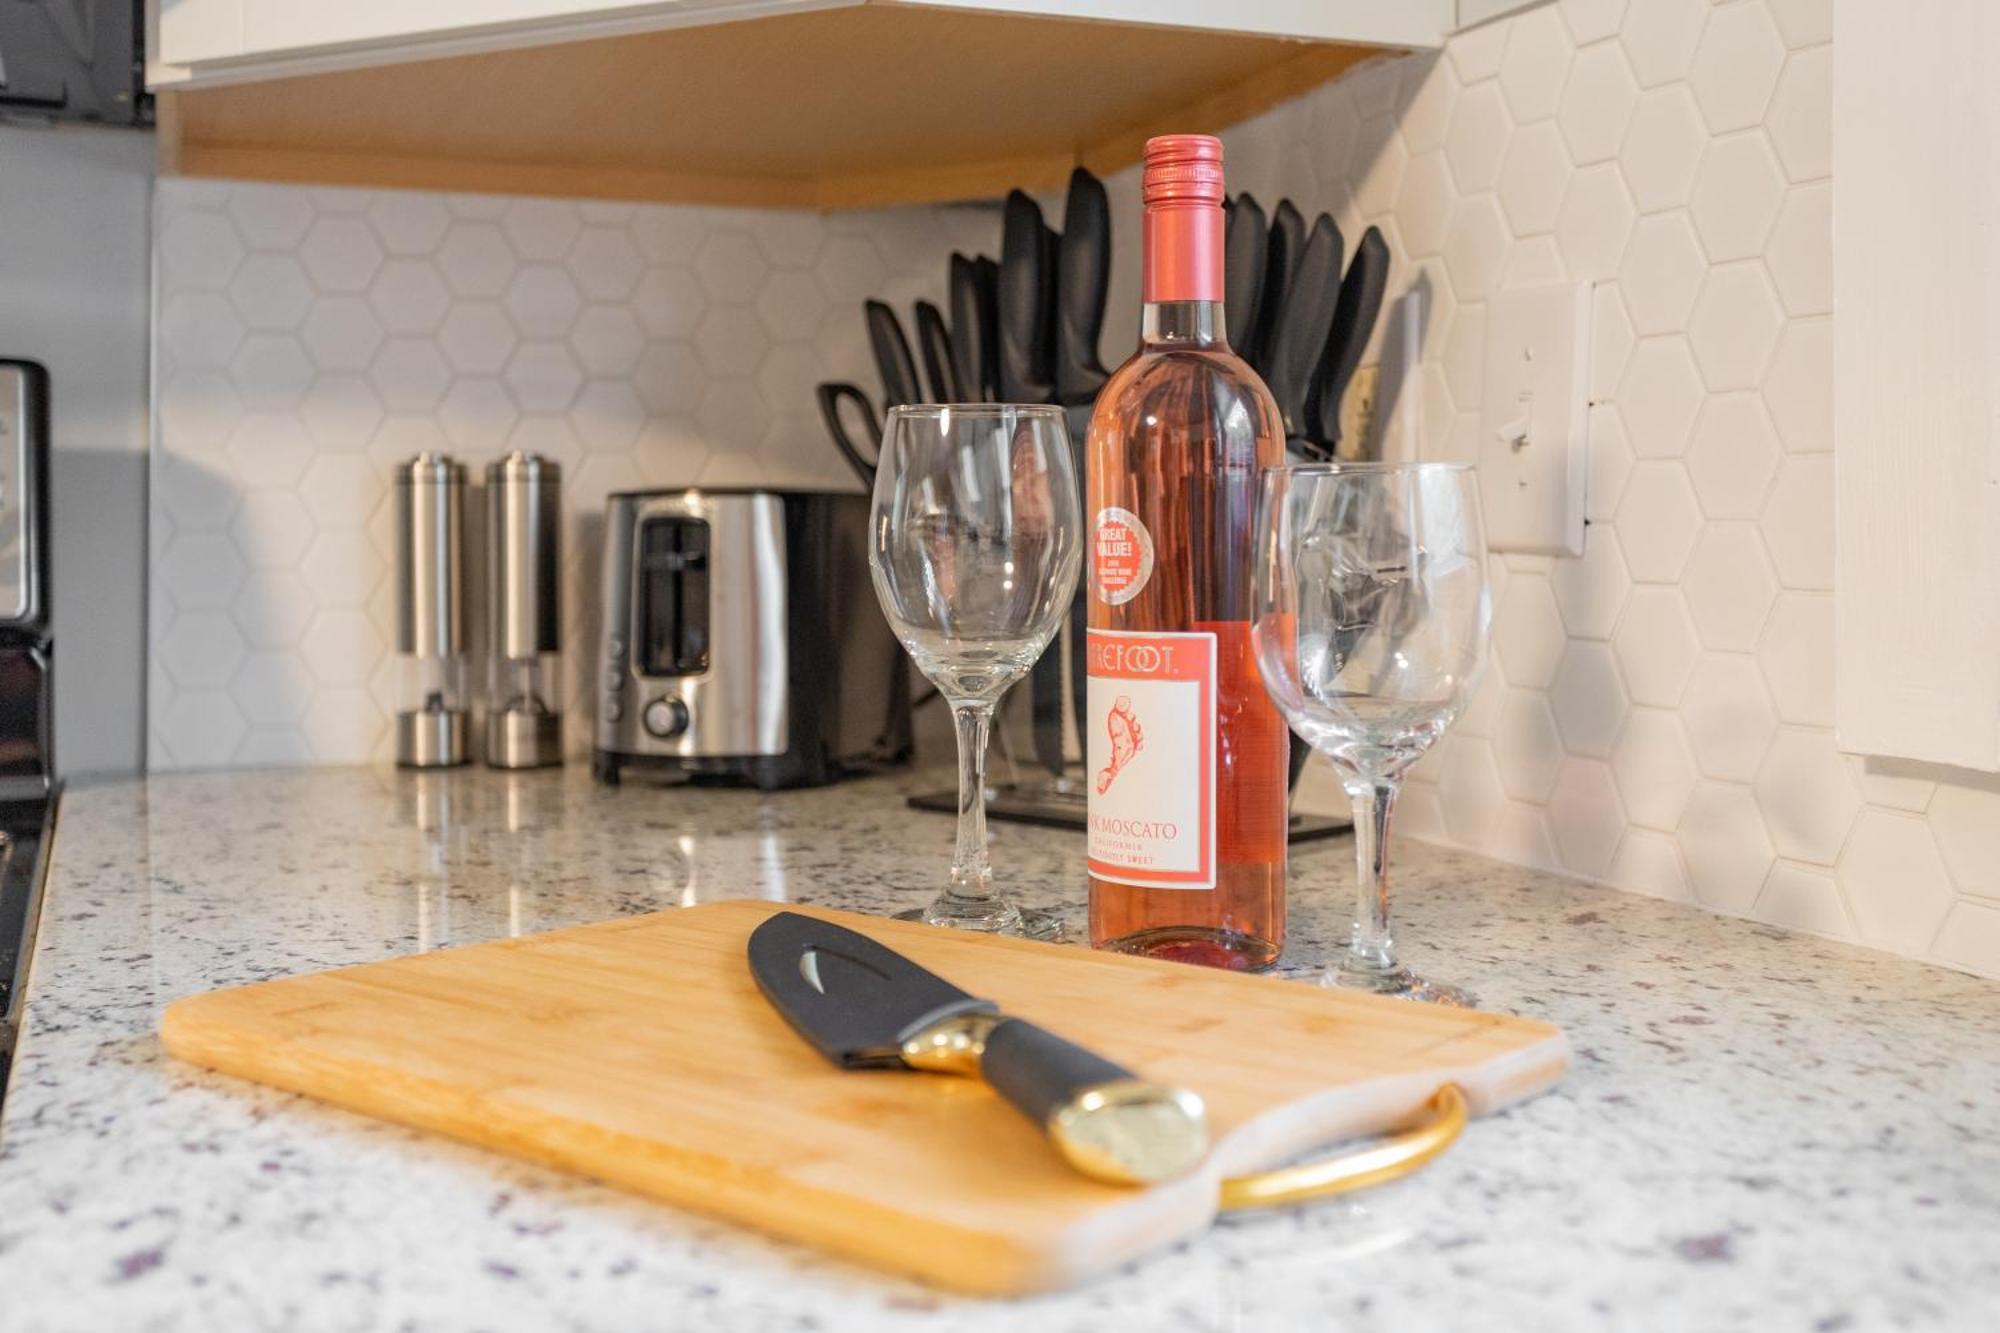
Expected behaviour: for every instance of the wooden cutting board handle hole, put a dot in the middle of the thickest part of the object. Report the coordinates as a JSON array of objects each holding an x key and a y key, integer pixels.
[{"x": 1383, "y": 1160}]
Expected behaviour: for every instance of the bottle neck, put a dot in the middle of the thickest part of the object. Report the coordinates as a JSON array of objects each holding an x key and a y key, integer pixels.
[
  {"x": 1183, "y": 323},
  {"x": 1183, "y": 254}
]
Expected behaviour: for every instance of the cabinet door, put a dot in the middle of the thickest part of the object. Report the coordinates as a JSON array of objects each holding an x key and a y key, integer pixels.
[
  {"x": 275, "y": 27},
  {"x": 187, "y": 32},
  {"x": 219, "y": 41},
  {"x": 1916, "y": 375},
  {"x": 201, "y": 41}
]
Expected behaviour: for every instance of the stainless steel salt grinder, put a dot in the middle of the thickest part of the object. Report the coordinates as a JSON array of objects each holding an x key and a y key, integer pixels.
[
  {"x": 523, "y": 611},
  {"x": 432, "y": 703}
]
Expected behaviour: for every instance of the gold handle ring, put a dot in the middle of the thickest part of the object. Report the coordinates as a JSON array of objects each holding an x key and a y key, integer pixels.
[{"x": 1383, "y": 1160}]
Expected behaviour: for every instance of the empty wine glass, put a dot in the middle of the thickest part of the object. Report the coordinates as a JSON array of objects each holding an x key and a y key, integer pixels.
[
  {"x": 974, "y": 544},
  {"x": 1372, "y": 617}
]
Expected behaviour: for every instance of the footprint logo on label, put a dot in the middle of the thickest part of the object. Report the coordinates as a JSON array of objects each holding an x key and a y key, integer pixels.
[{"x": 1126, "y": 739}]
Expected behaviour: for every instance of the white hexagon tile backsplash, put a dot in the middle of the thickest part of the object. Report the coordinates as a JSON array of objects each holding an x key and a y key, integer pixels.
[
  {"x": 1657, "y": 714},
  {"x": 309, "y": 340}
]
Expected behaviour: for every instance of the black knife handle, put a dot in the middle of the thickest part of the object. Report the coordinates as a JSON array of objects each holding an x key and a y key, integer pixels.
[
  {"x": 1025, "y": 303},
  {"x": 1304, "y": 320},
  {"x": 859, "y": 453},
  {"x": 1246, "y": 242},
  {"x": 1354, "y": 316},
  {"x": 892, "y": 356},
  {"x": 934, "y": 345},
  {"x": 1108, "y": 1123},
  {"x": 1039, "y": 1072},
  {"x": 1083, "y": 276},
  {"x": 1281, "y": 261},
  {"x": 986, "y": 276}
]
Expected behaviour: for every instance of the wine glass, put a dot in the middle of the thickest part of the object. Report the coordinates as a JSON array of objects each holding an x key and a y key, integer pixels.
[
  {"x": 1372, "y": 614},
  {"x": 974, "y": 544}
]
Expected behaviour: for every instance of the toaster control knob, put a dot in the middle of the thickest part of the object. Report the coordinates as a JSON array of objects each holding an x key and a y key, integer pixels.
[{"x": 665, "y": 718}]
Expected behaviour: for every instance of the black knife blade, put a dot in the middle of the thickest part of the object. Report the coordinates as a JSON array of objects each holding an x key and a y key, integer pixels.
[
  {"x": 862, "y": 1005},
  {"x": 854, "y": 1000}
]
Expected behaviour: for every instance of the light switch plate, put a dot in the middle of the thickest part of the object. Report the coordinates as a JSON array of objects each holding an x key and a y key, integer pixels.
[{"x": 1535, "y": 421}]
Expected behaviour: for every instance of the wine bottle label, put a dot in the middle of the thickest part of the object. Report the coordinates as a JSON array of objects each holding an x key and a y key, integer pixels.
[
  {"x": 1151, "y": 748},
  {"x": 1121, "y": 556}
]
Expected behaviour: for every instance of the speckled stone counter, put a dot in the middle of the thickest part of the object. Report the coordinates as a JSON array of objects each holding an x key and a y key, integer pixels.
[{"x": 1762, "y": 1130}]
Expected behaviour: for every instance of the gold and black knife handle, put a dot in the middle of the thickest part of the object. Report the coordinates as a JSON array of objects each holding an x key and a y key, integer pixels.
[
  {"x": 1121, "y": 1129},
  {"x": 1109, "y": 1124}
]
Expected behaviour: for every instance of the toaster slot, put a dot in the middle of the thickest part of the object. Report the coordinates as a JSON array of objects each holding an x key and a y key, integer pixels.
[{"x": 672, "y": 636}]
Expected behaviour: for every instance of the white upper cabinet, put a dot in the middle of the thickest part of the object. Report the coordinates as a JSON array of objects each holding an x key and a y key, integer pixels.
[
  {"x": 199, "y": 42},
  {"x": 1916, "y": 374},
  {"x": 766, "y": 103}
]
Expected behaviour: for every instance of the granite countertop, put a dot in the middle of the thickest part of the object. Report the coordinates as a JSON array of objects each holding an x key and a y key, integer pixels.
[{"x": 1762, "y": 1130}]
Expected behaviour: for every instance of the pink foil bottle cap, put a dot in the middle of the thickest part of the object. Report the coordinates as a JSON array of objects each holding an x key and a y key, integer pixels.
[
  {"x": 1182, "y": 189},
  {"x": 1183, "y": 169}
]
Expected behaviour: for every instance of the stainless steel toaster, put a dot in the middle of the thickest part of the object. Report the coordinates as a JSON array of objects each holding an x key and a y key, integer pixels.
[{"x": 742, "y": 641}]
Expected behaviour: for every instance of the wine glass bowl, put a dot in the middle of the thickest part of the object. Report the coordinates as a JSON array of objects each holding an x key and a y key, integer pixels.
[
  {"x": 1372, "y": 620},
  {"x": 974, "y": 550}
]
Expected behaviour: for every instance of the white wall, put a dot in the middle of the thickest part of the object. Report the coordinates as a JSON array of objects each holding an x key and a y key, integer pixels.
[
  {"x": 74, "y": 278},
  {"x": 1659, "y": 713}
]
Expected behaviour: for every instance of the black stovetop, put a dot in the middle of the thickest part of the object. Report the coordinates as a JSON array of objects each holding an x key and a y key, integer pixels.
[{"x": 25, "y": 829}]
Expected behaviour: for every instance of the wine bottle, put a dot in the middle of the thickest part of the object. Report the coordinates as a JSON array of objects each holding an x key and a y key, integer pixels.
[{"x": 1187, "y": 754}]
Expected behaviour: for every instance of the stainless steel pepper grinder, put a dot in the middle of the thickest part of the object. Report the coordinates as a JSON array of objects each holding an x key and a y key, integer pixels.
[
  {"x": 431, "y": 716},
  {"x": 524, "y": 611}
]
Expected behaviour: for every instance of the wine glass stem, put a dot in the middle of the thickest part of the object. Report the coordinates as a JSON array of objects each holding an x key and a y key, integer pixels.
[
  {"x": 971, "y": 873},
  {"x": 1374, "y": 802}
]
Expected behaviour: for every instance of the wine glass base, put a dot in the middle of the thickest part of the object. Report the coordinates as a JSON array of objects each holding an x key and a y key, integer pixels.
[
  {"x": 1397, "y": 982},
  {"x": 1028, "y": 923}
]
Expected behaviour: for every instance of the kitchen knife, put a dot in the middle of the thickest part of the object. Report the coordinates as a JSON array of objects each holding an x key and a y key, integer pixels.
[
  {"x": 1299, "y": 337},
  {"x": 1246, "y": 242},
  {"x": 1298, "y": 340},
  {"x": 1077, "y": 418},
  {"x": 865, "y": 1006},
  {"x": 1027, "y": 326},
  {"x": 934, "y": 344},
  {"x": 1025, "y": 317},
  {"x": 1083, "y": 275},
  {"x": 970, "y": 345},
  {"x": 1045, "y": 338},
  {"x": 987, "y": 270},
  {"x": 858, "y": 433},
  {"x": 892, "y": 357},
  {"x": 1353, "y": 323},
  {"x": 1287, "y": 239}
]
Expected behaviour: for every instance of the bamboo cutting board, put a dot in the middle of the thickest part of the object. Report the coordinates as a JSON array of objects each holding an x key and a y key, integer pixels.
[{"x": 640, "y": 1052}]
